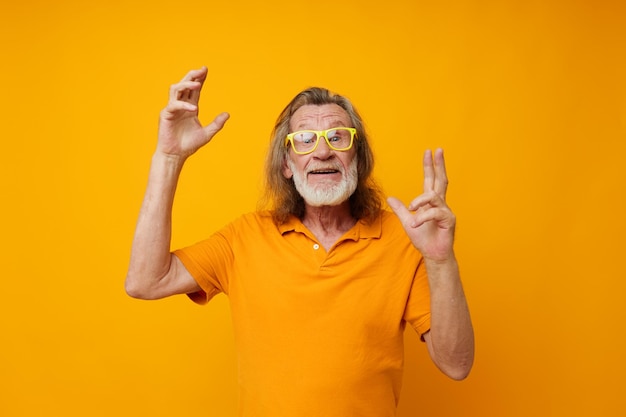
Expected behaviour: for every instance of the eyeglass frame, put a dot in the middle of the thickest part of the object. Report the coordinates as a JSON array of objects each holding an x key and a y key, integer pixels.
[{"x": 324, "y": 134}]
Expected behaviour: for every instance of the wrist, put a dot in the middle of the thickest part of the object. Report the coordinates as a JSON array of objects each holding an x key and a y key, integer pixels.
[
  {"x": 165, "y": 169},
  {"x": 439, "y": 265},
  {"x": 168, "y": 160}
]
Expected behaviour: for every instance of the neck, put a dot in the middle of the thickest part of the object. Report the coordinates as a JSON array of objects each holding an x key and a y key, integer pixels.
[{"x": 328, "y": 223}]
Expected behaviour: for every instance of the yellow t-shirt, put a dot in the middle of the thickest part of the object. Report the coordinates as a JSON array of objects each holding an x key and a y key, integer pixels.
[{"x": 317, "y": 333}]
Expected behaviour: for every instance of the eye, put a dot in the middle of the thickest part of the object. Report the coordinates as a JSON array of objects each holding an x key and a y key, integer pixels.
[
  {"x": 334, "y": 135},
  {"x": 305, "y": 137}
]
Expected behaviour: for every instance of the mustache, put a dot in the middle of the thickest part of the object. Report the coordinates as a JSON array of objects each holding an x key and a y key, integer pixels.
[{"x": 324, "y": 166}]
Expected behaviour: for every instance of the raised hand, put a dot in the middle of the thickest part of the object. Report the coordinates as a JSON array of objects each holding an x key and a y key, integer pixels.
[
  {"x": 180, "y": 131},
  {"x": 428, "y": 221}
]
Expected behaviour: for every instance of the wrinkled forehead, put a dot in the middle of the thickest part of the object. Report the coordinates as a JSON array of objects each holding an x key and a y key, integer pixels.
[{"x": 318, "y": 117}]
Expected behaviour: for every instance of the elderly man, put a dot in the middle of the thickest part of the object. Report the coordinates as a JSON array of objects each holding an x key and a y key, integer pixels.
[{"x": 322, "y": 284}]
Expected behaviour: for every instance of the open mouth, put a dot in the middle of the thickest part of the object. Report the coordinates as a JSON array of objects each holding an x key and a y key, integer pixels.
[{"x": 324, "y": 172}]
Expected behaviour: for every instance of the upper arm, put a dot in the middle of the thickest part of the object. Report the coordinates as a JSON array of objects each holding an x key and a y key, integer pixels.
[{"x": 177, "y": 280}]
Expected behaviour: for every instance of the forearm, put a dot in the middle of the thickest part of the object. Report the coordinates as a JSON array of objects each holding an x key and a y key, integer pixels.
[
  {"x": 451, "y": 335},
  {"x": 150, "y": 258}
]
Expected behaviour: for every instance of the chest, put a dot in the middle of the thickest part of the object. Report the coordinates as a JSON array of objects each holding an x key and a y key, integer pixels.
[{"x": 297, "y": 278}]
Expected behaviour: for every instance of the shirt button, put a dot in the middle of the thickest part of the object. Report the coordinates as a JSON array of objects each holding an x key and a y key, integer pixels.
[{"x": 316, "y": 246}]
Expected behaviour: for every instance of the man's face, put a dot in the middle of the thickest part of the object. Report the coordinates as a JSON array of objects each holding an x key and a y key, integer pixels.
[{"x": 324, "y": 177}]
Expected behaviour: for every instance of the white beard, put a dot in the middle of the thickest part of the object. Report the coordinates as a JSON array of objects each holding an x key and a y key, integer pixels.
[{"x": 325, "y": 193}]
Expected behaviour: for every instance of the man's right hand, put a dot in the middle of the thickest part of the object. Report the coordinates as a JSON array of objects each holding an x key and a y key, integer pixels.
[{"x": 180, "y": 131}]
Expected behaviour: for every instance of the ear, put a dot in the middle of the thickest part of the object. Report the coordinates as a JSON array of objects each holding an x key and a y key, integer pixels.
[{"x": 287, "y": 173}]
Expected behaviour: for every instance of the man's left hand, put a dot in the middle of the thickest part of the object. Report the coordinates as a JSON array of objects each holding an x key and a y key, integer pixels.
[{"x": 428, "y": 221}]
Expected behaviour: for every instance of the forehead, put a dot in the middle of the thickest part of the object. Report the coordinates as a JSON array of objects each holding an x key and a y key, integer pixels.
[{"x": 311, "y": 116}]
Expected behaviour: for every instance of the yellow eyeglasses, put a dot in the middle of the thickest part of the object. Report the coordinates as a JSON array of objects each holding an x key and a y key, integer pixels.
[{"x": 306, "y": 141}]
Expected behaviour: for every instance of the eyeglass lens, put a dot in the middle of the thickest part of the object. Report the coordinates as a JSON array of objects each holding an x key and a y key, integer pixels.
[{"x": 339, "y": 139}]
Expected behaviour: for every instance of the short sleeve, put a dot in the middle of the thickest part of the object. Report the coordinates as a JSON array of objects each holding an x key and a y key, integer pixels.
[{"x": 209, "y": 263}]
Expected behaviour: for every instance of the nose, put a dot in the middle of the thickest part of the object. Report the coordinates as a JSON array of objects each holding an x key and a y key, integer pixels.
[{"x": 322, "y": 151}]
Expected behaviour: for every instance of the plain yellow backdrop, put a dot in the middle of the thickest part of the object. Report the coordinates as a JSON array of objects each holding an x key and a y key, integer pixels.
[{"x": 528, "y": 99}]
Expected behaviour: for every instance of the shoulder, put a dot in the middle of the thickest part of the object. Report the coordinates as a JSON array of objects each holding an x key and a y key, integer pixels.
[{"x": 259, "y": 221}]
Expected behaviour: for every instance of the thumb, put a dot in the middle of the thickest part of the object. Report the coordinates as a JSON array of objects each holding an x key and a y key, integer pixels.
[
  {"x": 216, "y": 125},
  {"x": 399, "y": 209}
]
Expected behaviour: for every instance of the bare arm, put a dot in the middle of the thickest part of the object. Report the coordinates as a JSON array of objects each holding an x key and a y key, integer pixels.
[
  {"x": 450, "y": 341},
  {"x": 430, "y": 224},
  {"x": 153, "y": 271}
]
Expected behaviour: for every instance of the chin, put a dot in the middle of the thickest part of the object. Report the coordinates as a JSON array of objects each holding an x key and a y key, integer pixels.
[{"x": 334, "y": 196}]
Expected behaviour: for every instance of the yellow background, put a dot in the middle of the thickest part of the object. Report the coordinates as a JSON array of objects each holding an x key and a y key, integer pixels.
[{"x": 528, "y": 98}]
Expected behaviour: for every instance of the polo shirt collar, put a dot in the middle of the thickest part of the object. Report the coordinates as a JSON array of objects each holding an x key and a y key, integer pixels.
[{"x": 361, "y": 230}]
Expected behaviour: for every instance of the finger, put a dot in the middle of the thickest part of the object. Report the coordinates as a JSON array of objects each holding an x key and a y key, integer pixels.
[
  {"x": 429, "y": 173},
  {"x": 182, "y": 94},
  {"x": 427, "y": 199},
  {"x": 196, "y": 75},
  {"x": 399, "y": 209},
  {"x": 437, "y": 214},
  {"x": 172, "y": 110},
  {"x": 201, "y": 78},
  {"x": 182, "y": 90},
  {"x": 414, "y": 220},
  {"x": 441, "y": 178}
]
